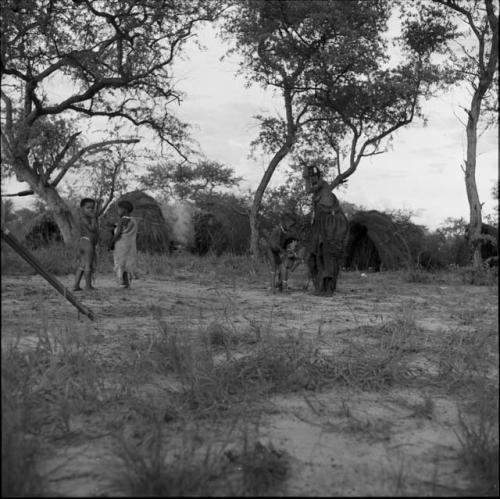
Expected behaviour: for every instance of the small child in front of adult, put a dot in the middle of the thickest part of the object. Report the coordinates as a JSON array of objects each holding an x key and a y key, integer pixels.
[
  {"x": 87, "y": 242},
  {"x": 282, "y": 251},
  {"x": 123, "y": 244}
]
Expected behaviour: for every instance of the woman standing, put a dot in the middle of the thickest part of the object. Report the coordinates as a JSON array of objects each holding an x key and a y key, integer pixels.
[{"x": 329, "y": 233}]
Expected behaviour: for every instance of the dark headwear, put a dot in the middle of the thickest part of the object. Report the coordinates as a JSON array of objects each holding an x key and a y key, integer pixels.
[
  {"x": 311, "y": 171},
  {"x": 126, "y": 205},
  {"x": 85, "y": 201},
  {"x": 312, "y": 175}
]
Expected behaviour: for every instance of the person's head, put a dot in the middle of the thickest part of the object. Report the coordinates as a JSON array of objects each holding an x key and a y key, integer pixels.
[
  {"x": 87, "y": 205},
  {"x": 312, "y": 176},
  {"x": 125, "y": 208}
]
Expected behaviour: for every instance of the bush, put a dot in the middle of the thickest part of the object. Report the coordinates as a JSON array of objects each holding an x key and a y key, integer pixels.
[{"x": 482, "y": 276}]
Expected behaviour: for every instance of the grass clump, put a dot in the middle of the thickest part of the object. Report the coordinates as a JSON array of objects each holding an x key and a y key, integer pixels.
[
  {"x": 220, "y": 335},
  {"x": 478, "y": 437},
  {"x": 421, "y": 276},
  {"x": 152, "y": 468},
  {"x": 21, "y": 445},
  {"x": 480, "y": 276},
  {"x": 263, "y": 467},
  {"x": 196, "y": 459},
  {"x": 271, "y": 365}
]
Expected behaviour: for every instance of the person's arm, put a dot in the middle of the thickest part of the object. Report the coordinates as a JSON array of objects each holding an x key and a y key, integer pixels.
[
  {"x": 117, "y": 235},
  {"x": 274, "y": 240},
  {"x": 85, "y": 225}
]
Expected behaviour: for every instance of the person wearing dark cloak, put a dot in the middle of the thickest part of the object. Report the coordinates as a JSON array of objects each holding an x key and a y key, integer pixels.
[{"x": 329, "y": 233}]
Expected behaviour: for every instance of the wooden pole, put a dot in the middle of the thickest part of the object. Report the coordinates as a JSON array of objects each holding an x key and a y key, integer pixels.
[{"x": 26, "y": 255}]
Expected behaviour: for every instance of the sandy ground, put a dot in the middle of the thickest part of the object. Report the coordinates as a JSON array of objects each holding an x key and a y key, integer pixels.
[{"x": 382, "y": 448}]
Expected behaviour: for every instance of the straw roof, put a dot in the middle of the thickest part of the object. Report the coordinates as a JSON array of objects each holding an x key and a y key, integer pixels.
[
  {"x": 375, "y": 240},
  {"x": 42, "y": 230},
  {"x": 152, "y": 234},
  {"x": 222, "y": 225}
]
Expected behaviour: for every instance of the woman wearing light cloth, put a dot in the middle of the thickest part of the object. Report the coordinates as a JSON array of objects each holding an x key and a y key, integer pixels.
[{"x": 124, "y": 245}]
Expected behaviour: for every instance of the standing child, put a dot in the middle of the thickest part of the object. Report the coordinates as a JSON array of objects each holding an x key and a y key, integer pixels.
[
  {"x": 123, "y": 244},
  {"x": 89, "y": 235},
  {"x": 281, "y": 251}
]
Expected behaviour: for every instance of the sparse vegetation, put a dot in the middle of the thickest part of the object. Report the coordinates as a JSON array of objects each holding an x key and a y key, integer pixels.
[
  {"x": 179, "y": 389},
  {"x": 478, "y": 435}
]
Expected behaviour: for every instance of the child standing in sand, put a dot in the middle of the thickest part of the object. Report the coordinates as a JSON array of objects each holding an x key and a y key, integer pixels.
[
  {"x": 89, "y": 235},
  {"x": 123, "y": 244}
]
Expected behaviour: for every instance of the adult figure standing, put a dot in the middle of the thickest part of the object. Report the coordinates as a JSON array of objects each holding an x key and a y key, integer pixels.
[{"x": 329, "y": 233}]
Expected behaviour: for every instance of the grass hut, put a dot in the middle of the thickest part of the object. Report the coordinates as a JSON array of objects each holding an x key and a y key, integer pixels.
[
  {"x": 222, "y": 225},
  {"x": 42, "y": 231},
  {"x": 489, "y": 248},
  {"x": 375, "y": 242},
  {"x": 152, "y": 234},
  {"x": 209, "y": 234}
]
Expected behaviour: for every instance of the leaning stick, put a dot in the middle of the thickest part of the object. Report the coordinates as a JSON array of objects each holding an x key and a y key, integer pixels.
[{"x": 24, "y": 253}]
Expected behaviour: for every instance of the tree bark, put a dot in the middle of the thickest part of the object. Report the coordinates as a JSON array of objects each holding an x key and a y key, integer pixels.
[
  {"x": 63, "y": 216},
  {"x": 475, "y": 219},
  {"x": 487, "y": 67},
  {"x": 291, "y": 135},
  {"x": 257, "y": 200}
]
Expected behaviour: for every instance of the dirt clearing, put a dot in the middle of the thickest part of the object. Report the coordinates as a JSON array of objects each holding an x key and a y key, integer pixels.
[{"x": 363, "y": 393}]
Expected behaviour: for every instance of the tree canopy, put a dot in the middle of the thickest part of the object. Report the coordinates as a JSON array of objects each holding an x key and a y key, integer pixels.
[
  {"x": 188, "y": 181},
  {"x": 107, "y": 60},
  {"x": 329, "y": 60}
]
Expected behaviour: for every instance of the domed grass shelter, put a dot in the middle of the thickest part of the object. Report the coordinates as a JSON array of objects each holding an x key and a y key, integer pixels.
[
  {"x": 221, "y": 225},
  {"x": 152, "y": 234},
  {"x": 375, "y": 242},
  {"x": 489, "y": 248},
  {"x": 42, "y": 231}
]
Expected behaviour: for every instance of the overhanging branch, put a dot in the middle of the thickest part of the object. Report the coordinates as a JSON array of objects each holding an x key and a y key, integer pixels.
[{"x": 86, "y": 150}]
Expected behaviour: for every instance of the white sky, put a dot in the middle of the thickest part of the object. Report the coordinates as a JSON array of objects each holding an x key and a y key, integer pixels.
[{"x": 421, "y": 172}]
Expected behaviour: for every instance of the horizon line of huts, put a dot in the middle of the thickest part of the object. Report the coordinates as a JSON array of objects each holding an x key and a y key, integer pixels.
[{"x": 376, "y": 241}]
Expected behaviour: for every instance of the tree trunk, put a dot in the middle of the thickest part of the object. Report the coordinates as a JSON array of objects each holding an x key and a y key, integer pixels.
[
  {"x": 259, "y": 193},
  {"x": 63, "y": 216},
  {"x": 475, "y": 220}
]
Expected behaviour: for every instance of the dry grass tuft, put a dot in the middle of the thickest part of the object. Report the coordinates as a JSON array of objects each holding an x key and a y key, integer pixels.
[
  {"x": 477, "y": 433},
  {"x": 21, "y": 444},
  {"x": 152, "y": 468},
  {"x": 194, "y": 459},
  {"x": 483, "y": 276}
]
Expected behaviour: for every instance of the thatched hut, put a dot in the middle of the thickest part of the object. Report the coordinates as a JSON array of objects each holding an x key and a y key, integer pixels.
[
  {"x": 152, "y": 234},
  {"x": 375, "y": 242},
  {"x": 221, "y": 225},
  {"x": 489, "y": 248},
  {"x": 42, "y": 231}
]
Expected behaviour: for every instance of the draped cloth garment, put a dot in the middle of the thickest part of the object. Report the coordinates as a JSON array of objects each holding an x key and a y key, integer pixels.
[
  {"x": 125, "y": 252},
  {"x": 329, "y": 234}
]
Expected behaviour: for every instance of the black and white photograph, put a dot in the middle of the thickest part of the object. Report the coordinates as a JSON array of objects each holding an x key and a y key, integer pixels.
[{"x": 249, "y": 248}]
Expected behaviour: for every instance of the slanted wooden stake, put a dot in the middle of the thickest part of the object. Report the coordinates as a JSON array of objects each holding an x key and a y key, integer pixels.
[{"x": 24, "y": 253}]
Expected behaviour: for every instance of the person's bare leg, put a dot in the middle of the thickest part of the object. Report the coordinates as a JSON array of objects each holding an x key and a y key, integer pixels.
[
  {"x": 284, "y": 277},
  {"x": 78, "y": 278},
  {"x": 126, "y": 281},
  {"x": 88, "y": 279}
]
